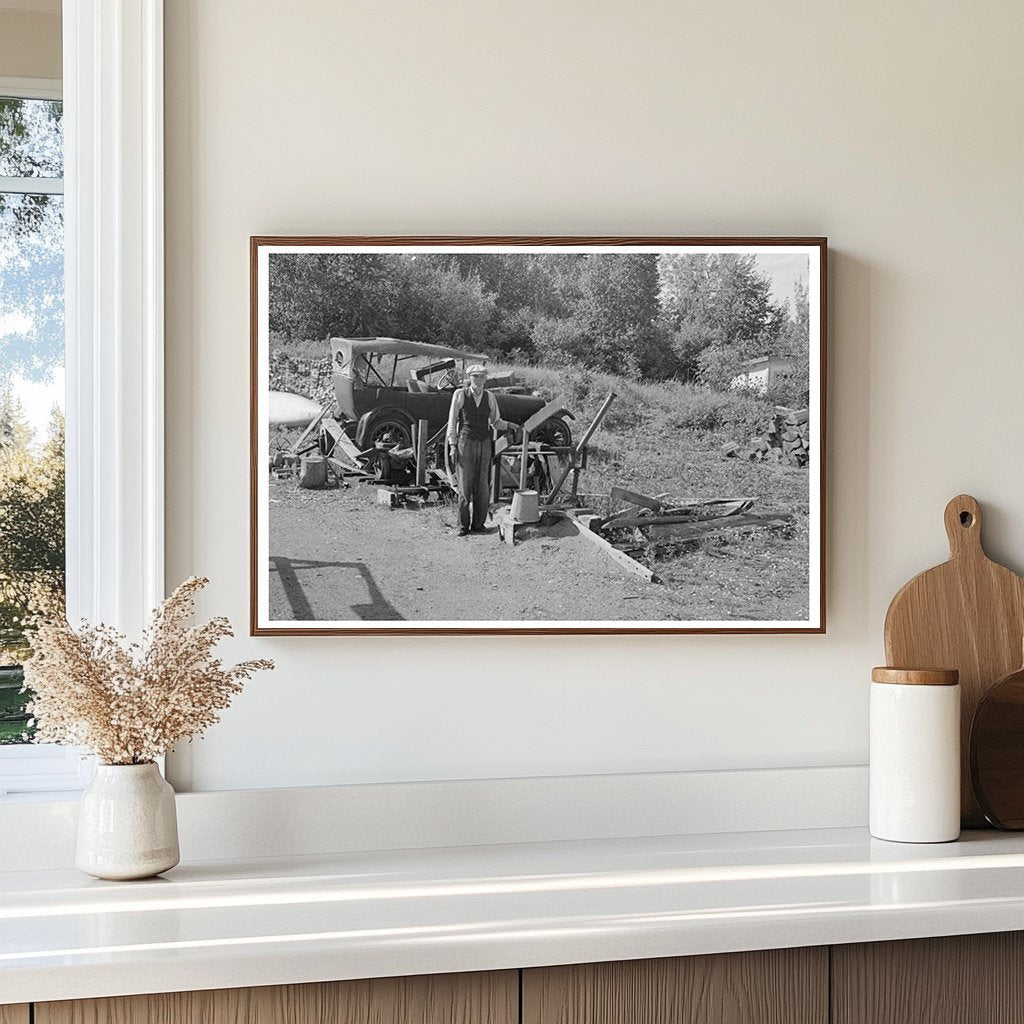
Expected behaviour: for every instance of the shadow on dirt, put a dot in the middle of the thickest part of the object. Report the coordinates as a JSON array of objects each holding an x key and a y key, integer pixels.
[{"x": 288, "y": 569}]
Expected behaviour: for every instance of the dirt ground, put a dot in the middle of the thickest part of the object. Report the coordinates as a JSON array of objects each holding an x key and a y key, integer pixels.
[{"x": 339, "y": 555}]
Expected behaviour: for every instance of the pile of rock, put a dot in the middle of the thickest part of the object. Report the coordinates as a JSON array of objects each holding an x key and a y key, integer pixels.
[
  {"x": 310, "y": 378},
  {"x": 785, "y": 440}
]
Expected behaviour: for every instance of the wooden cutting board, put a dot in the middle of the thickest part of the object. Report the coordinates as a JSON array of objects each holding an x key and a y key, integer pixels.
[{"x": 967, "y": 614}]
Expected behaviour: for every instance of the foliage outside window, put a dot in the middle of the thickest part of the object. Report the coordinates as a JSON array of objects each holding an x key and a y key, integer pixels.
[{"x": 31, "y": 386}]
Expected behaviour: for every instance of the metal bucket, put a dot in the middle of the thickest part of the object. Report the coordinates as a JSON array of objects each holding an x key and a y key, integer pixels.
[
  {"x": 313, "y": 471},
  {"x": 525, "y": 507}
]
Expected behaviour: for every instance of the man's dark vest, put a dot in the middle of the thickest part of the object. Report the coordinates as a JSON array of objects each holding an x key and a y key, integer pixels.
[{"x": 476, "y": 419}]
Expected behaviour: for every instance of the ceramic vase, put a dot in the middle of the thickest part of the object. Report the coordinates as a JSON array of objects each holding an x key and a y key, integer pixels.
[{"x": 127, "y": 825}]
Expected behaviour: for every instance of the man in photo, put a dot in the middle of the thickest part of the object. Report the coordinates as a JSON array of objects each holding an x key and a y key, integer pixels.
[{"x": 473, "y": 414}]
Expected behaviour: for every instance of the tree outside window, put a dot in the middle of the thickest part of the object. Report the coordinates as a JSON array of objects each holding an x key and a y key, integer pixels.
[{"x": 31, "y": 386}]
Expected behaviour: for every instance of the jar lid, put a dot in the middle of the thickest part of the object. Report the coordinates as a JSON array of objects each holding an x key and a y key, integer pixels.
[{"x": 916, "y": 676}]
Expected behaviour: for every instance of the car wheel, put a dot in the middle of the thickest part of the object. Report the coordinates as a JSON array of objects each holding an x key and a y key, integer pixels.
[
  {"x": 388, "y": 431},
  {"x": 554, "y": 432}
]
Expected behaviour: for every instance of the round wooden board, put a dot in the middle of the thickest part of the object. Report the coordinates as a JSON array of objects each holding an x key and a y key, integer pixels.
[{"x": 997, "y": 752}]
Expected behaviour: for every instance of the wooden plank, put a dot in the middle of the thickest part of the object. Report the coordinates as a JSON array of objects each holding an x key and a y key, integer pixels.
[
  {"x": 709, "y": 528},
  {"x": 343, "y": 469},
  {"x": 776, "y": 986},
  {"x": 422, "y": 430},
  {"x": 712, "y": 515},
  {"x": 343, "y": 448},
  {"x": 15, "y": 1014},
  {"x": 478, "y": 998},
  {"x": 314, "y": 424},
  {"x": 618, "y": 494},
  {"x": 626, "y": 521},
  {"x": 415, "y": 488},
  {"x": 347, "y": 445},
  {"x": 524, "y": 460},
  {"x": 543, "y": 415},
  {"x": 631, "y": 565},
  {"x": 960, "y": 979}
]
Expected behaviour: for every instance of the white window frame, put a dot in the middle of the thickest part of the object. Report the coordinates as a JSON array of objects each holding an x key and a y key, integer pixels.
[{"x": 114, "y": 347}]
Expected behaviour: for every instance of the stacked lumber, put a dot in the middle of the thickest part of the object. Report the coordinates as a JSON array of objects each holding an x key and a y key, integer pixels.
[
  {"x": 648, "y": 518},
  {"x": 785, "y": 439}
]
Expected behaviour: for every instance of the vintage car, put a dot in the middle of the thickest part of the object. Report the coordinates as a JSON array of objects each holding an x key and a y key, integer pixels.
[{"x": 383, "y": 386}]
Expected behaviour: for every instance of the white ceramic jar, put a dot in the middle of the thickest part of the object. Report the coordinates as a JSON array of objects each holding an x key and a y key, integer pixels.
[
  {"x": 127, "y": 823},
  {"x": 915, "y": 755}
]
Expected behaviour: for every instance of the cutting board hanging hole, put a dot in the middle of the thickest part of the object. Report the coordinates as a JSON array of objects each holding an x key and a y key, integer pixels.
[{"x": 963, "y": 525}]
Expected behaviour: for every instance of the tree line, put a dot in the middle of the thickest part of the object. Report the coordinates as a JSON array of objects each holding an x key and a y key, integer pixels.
[
  {"x": 650, "y": 316},
  {"x": 31, "y": 523}
]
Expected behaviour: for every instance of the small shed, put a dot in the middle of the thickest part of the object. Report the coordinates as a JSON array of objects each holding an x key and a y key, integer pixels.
[{"x": 761, "y": 373}]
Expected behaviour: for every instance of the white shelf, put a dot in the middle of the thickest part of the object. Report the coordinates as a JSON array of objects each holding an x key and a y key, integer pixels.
[{"x": 353, "y": 915}]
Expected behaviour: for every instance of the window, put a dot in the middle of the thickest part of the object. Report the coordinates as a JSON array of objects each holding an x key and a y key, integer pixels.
[
  {"x": 112, "y": 206},
  {"x": 32, "y": 531}
]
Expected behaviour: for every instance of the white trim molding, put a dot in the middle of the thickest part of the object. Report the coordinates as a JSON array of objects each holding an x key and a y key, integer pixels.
[
  {"x": 42, "y": 768},
  {"x": 113, "y": 115},
  {"x": 31, "y": 88},
  {"x": 32, "y": 186},
  {"x": 243, "y": 824}
]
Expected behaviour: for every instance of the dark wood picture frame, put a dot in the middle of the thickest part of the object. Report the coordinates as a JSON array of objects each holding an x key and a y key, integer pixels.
[{"x": 817, "y": 618}]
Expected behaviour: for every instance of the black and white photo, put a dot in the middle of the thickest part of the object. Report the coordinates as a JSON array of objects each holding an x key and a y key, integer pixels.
[{"x": 537, "y": 435}]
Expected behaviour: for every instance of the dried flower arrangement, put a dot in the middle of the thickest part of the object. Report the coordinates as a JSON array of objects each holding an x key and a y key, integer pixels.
[{"x": 130, "y": 703}]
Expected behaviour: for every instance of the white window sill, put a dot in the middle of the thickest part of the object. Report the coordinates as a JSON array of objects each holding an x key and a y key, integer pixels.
[{"x": 42, "y": 797}]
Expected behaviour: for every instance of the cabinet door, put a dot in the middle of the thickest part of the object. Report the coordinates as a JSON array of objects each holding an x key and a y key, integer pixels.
[
  {"x": 778, "y": 986},
  {"x": 14, "y": 1014},
  {"x": 962, "y": 979},
  {"x": 490, "y": 998}
]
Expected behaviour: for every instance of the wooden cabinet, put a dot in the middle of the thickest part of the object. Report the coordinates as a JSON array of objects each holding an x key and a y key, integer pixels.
[
  {"x": 962, "y": 979},
  {"x": 491, "y": 998},
  {"x": 778, "y": 986},
  {"x": 967, "y": 979}
]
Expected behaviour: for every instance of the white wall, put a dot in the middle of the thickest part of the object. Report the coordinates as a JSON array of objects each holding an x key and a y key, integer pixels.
[
  {"x": 895, "y": 129},
  {"x": 30, "y": 42}
]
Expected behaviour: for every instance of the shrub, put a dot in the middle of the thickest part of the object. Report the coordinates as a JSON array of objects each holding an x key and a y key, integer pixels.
[
  {"x": 576, "y": 383},
  {"x": 703, "y": 408}
]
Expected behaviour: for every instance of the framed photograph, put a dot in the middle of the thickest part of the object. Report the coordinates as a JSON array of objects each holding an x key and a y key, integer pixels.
[{"x": 537, "y": 435}]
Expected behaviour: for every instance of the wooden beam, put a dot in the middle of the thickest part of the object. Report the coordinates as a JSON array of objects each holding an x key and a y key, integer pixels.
[
  {"x": 524, "y": 461},
  {"x": 691, "y": 514},
  {"x": 711, "y": 527},
  {"x": 422, "y": 429},
  {"x": 543, "y": 415},
  {"x": 635, "y": 498},
  {"x": 313, "y": 424},
  {"x": 346, "y": 444},
  {"x": 631, "y": 565},
  {"x": 581, "y": 446}
]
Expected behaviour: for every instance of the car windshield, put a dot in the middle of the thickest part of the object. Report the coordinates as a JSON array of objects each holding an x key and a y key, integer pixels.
[{"x": 377, "y": 370}]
